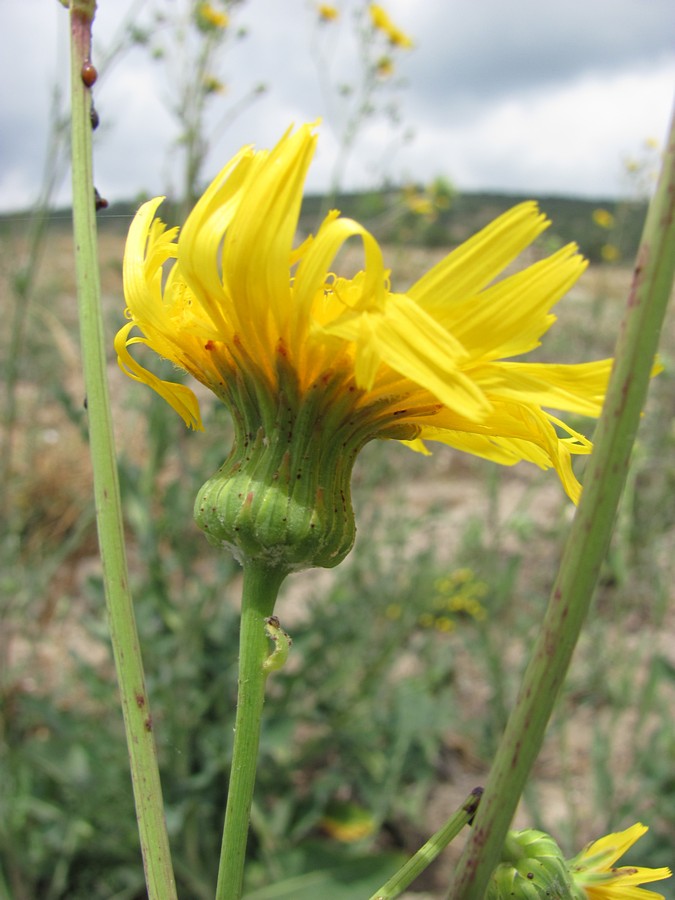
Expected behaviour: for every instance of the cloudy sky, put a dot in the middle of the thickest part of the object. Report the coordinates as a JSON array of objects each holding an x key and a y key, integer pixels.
[{"x": 518, "y": 96}]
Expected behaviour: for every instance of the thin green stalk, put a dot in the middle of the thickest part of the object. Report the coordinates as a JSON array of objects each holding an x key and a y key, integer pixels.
[
  {"x": 430, "y": 850},
  {"x": 261, "y": 586},
  {"x": 126, "y": 649},
  {"x": 587, "y": 543}
]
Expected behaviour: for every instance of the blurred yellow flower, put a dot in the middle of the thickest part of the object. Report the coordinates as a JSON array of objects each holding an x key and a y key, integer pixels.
[
  {"x": 207, "y": 15},
  {"x": 213, "y": 85},
  {"x": 609, "y": 253},
  {"x": 469, "y": 605},
  {"x": 327, "y": 13},
  {"x": 273, "y": 332},
  {"x": 603, "y": 218},
  {"x": 418, "y": 203},
  {"x": 428, "y": 201},
  {"x": 459, "y": 593},
  {"x": 596, "y": 877},
  {"x": 461, "y": 576},
  {"x": 385, "y": 67},
  {"x": 347, "y": 822},
  {"x": 383, "y": 23}
]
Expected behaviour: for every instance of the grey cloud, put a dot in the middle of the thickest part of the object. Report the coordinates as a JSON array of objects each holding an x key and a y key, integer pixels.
[{"x": 471, "y": 53}]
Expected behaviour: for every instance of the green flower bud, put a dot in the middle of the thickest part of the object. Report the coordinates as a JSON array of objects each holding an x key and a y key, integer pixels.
[
  {"x": 283, "y": 495},
  {"x": 533, "y": 868}
]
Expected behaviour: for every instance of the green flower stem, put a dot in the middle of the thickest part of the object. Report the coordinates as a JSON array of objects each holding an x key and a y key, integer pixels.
[
  {"x": 126, "y": 650},
  {"x": 587, "y": 543},
  {"x": 430, "y": 850},
  {"x": 261, "y": 586}
]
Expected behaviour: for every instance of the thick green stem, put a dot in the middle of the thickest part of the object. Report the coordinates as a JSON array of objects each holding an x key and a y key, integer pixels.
[
  {"x": 126, "y": 649},
  {"x": 261, "y": 586},
  {"x": 587, "y": 543}
]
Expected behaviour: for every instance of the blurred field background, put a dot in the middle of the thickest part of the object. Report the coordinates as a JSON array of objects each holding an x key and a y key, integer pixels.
[{"x": 405, "y": 659}]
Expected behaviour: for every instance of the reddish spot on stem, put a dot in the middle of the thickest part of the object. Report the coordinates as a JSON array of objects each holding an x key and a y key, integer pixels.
[
  {"x": 140, "y": 701},
  {"x": 148, "y": 724},
  {"x": 88, "y": 73}
]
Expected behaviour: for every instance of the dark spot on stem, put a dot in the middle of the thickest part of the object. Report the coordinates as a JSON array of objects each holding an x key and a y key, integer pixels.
[
  {"x": 471, "y": 806},
  {"x": 88, "y": 73}
]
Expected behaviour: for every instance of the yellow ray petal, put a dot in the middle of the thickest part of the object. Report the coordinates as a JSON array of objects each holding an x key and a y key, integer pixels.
[
  {"x": 513, "y": 432},
  {"x": 595, "y": 873},
  {"x": 203, "y": 232},
  {"x": 148, "y": 246},
  {"x": 180, "y": 397},
  {"x": 509, "y": 318},
  {"x": 474, "y": 264},
  {"x": 311, "y": 274},
  {"x": 257, "y": 248},
  {"x": 412, "y": 343},
  {"x": 578, "y": 388}
]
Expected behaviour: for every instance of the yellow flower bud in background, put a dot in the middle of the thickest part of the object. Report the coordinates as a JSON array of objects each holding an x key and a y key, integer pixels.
[
  {"x": 327, "y": 13},
  {"x": 603, "y": 218}
]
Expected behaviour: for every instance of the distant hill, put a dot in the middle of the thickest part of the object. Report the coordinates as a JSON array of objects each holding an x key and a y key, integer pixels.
[{"x": 385, "y": 214}]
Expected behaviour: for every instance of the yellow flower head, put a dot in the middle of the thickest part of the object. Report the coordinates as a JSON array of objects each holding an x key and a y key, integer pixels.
[
  {"x": 383, "y": 23},
  {"x": 603, "y": 218},
  {"x": 208, "y": 17},
  {"x": 327, "y": 13},
  {"x": 384, "y": 67},
  {"x": 418, "y": 202},
  {"x": 254, "y": 319},
  {"x": 596, "y": 877},
  {"x": 609, "y": 253},
  {"x": 213, "y": 85}
]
